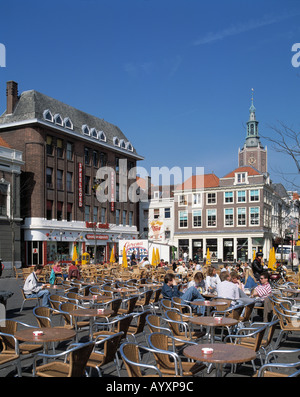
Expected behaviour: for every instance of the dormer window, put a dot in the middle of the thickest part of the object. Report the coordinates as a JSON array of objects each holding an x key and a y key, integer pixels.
[
  {"x": 48, "y": 115},
  {"x": 241, "y": 177},
  {"x": 68, "y": 123},
  {"x": 58, "y": 120},
  {"x": 102, "y": 136},
  {"x": 85, "y": 130},
  {"x": 94, "y": 133},
  {"x": 116, "y": 141},
  {"x": 129, "y": 146},
  {"x": 122, "y": 144}
]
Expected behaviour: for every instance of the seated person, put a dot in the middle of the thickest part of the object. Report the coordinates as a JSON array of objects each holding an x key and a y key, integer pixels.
[
  {"x": 170, "y": 290},
  {"x": 73, "y": 272},
  {"x": 227, "y": 289},
  {"x": 261, "y": 294},
  {"x": 197, "y": 282},
  {"x": 34, "y": 289},
  {"x": 145, "y": 262},
  {"x": 212, "y": 279}
]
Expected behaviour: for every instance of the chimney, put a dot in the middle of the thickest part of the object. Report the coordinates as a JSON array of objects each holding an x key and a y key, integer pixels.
[{"x": 11, "y": 96}]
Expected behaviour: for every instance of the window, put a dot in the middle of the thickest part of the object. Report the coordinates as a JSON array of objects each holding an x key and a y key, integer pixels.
[
  {"x": 103, "y": 159},
  {"x": 87, "y": 180},
  {"x": 211, "y": 198},
  {"x": 197, "y": 199},
  {"x": 86, "y": 156},
  {"x": 182, "y": 199},
  {"x": 95, "y": 214},
  {"x": 254, "y": 195},
  {"x": 254, "y": 216},
  {"x": 49, "y": 174},
  {"x": 130, "y": 221},
  {"x": 228, "y": 197},
  {"x": 197, "y": 218},
  {"x": 102, "y": 136},
  {"x": 59, "y": 215},
  {"x": 241, "y": 196},
  {"x": 69, "y": 212},
  {"x": 156, "y": 213},
  {"x": 241, "y": 216},
  {"x": 211, "y": 218},
  {"x": 122, "y": 144},
  {"x": 60, "y": 149},
  {"x": 48, "y": 116},
  {"x": 85, "y": 130},
  {"x": 69, "y": 181},
  {"x": 167, "y": 213},
  {"x": 183, "y": 218},
  {"x": 103, "y": 215},
  {"x": 117, "y": 217},
  {"x": 124, "y": 217},
  {"x": 49, "y": 145},
  {"x": 68, "y": 123},
  {"x": 69, "y": 151},
  {"x": 49, "y": 210},
  {"x": 117, "y": 163},
  {"x": 58, "y": 120},
  {"x": 116, "y": 141},
  {"x": 94, "y": 133},
  {"x": 228, "y": 216},
  {"x": 241, "y": 177},
  {"x": 87, "y": 213},
  {"x": 59, "y": 180},
  {"x": 3, "y": 199},
  {"x": 129, "y": 146},
  {"x": 95, "y": 158}
]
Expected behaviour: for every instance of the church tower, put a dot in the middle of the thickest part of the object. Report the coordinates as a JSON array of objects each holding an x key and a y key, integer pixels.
[{"x": 253, "y": 153}]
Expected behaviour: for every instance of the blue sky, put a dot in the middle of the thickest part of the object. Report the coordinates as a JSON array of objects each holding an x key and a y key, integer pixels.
[{"x": 174, "y": 75}]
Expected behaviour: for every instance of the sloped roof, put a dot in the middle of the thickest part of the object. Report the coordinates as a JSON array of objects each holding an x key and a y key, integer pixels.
[
  {"x": 251, "y": 171},
  {"x": 199, "y": 182},
  {"x": 32, "y": 104}
]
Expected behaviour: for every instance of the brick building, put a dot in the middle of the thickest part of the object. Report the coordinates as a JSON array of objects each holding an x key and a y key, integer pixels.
[{"x": 65, "y": 200}]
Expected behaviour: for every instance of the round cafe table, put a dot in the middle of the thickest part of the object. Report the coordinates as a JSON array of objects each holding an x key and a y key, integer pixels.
[
  {"x": 91, "y": 313},
  {"x": 209, "y": 304},
  {"x": 223, "y": 353},
  {"x": 50, "y": 334},
  {"x": 212, "y": 322}
]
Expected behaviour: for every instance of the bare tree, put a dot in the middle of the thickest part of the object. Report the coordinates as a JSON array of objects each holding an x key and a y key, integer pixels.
[{"x": 287, "y": 141}]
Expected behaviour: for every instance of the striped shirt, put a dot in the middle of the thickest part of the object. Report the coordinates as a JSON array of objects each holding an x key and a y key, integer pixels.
[{"x": 263, "y": 290}]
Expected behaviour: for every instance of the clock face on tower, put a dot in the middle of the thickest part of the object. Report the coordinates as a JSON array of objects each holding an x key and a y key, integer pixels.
[{"x": 252, "y": 160}]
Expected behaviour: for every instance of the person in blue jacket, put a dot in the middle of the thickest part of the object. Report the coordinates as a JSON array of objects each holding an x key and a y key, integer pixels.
[{"x": 170, "y": 290}]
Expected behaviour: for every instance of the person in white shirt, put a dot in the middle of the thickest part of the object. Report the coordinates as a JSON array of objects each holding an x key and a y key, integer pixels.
[
  {"x": 144, "y": 262},
  {"x": 226, "y": 289},
  {"x": 33, "y": 288},
  {"x": 212, "y": 279}
]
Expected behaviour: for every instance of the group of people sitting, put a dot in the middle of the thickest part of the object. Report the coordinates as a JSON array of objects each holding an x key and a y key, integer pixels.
[
  {"x": 227, "y": 285},
  {"x": 33, "y": 288}
]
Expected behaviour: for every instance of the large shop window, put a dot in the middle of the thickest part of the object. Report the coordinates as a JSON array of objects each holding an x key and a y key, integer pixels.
[
  {"x": 212, "y": 244},
  {"x": 228, "y": 250}
]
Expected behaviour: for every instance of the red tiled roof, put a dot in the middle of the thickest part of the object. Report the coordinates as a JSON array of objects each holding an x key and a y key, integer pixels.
[
  {"x": 199, "y": 181},
  {"x": 251, "y": 171},
  {"x": 3, "y": 143}
]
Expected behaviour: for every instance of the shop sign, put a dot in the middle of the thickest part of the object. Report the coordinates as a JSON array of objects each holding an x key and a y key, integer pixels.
[
  {"x": 97, "y": 236},
  {"x": 112, "y": 189},
  {"x": 80, "y": 189}
]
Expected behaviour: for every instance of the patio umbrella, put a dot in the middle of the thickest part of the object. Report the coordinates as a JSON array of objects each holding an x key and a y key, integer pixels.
[
  {"x": 112, "y": 256},
  {"x": 75, "y": 255},
  {"x": 157, "y": 257},
  {"x": 254, "y": 255},
  {"x": 153, "y": 259},
  {"x": 272, "y": 259},
  {"x": 124, "y": 258},
  {"x": 208, "y": 260}
]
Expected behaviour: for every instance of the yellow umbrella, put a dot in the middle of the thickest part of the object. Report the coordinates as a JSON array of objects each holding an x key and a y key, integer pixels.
[
  {"x": 112, "y": 256},
  {"x": 157, "y": 257},
  {"x": 124, "y": 258},
  {"x": 272, "y": 259},
  {"x": 75, "y": 255},
  {"x": 254, "y": 255},
  {"x": 153, "y": 259},
  {"x": 208, "y": 260}
]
